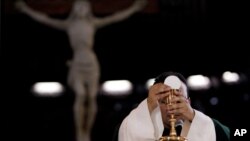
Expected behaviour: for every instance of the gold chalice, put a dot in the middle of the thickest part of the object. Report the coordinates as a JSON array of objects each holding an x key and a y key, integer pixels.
[{"x": 175, "y": 83}]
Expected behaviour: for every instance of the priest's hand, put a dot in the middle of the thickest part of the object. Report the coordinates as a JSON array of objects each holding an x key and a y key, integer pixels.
[
  {"x": 181, "y": 107},
  {"x": 156, "y": 94}
]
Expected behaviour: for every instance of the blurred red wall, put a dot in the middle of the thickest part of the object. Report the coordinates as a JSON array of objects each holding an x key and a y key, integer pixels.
[{"x": 56, "y": 7}]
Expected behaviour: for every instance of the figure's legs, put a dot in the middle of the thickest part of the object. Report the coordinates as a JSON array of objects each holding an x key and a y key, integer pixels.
[
  {"x": 85, "y": 85},
  {"x": 92, "y": 103},
  {"x": 79, "y": 110}
]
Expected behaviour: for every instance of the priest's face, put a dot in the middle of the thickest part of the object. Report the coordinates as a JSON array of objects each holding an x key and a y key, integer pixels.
[{"x": 176, "y": 106}]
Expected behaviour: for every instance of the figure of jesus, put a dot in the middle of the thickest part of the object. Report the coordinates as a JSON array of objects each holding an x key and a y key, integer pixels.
[{"x": 84, "y": 70}]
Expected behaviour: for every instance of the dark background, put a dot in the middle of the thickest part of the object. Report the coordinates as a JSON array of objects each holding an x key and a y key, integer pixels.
[{"x": 191, "y": 37}]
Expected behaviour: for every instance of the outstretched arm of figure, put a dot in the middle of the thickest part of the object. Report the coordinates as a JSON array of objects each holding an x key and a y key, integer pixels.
[
  {"x": 40, "y": 17},
  {"x": 121, "y": 15}
]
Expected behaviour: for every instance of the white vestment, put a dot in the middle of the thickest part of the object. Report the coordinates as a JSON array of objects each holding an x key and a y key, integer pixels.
[{"x": 140, "y": 125}]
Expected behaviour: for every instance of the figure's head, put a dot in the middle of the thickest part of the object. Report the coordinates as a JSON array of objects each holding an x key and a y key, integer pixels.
[
  {"x": 183, "y": 90},
  {"x": 81, "y": 8}
]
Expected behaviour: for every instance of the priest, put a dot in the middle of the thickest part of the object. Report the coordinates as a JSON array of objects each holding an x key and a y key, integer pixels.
[{"x": 150, "y": 120}]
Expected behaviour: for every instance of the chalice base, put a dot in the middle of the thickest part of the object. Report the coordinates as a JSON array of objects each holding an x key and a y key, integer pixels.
[{"x": 172, "y": 138}]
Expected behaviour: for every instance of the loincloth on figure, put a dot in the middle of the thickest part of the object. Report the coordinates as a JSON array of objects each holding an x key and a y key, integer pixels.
[{"x": 83, "y": 71}]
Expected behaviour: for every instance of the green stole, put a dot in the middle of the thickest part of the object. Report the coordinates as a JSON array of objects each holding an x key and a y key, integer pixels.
[{"x": 222, "y": 131}]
